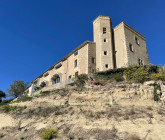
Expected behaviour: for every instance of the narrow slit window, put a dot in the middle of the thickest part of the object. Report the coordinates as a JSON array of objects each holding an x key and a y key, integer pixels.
[
  {"x": 131, "y": 47},
  {"x": 75, "y": 63},
  {"x": 137, "y": 41},
  {"x": 93, "y": 60}
]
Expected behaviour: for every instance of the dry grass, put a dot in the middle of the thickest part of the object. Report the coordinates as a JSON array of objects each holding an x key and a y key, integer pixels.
[{"x": 133, "y": 137}]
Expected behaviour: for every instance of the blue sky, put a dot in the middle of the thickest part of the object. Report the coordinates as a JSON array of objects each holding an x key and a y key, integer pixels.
[{"x": 35, "y": 34}]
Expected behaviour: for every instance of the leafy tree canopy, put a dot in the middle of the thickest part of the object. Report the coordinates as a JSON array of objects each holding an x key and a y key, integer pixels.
[
  {"x": 17, "y": 88},
  {"x": 2, "y": 95}
]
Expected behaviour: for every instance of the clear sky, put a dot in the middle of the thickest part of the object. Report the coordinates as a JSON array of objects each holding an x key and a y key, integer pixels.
[{"x": 35, "y": 34}]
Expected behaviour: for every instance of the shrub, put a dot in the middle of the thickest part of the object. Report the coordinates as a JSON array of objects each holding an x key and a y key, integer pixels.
[
  {"x": 106, "y": 134},
  {"x": 137, "y": 73},
  {"x": 45, "y": 93},
  {"x": 1, "y": 135},
  {"x": 134, "y": 73},
  {"x": 37, "y": 88},
  {"x": 109, "y": 77},
  {"x": 132, "y": 111},
  {"x": 48, "y": 134},
  {"x": 45, "y": 111},
  {"x": 150, "y": 115},
  {"x": 141, "y": 75},
  {"x": 25, "y": 98},
  {"x": 156, "y": 89},
  {"x": 80, "y": 80},
  {"x": 118, "y": 77},
  {"x": 8, "y": 108},
  {"x": 158, "y": 76},
  {"x": 101, "y": 77},
  {"x": 6, "y": 101},
  {"x": 57, "y": 113},
  {"x": 152, "y": 68},
  {"x": 111, "y": 71}
]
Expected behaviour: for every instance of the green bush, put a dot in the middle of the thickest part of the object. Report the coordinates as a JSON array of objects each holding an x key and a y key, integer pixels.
[
  {"x": 118, "y": 77},
  {"x": 112, "y": 74},
  {"x": 8, "y": 108},
  {"x": 133, "y": 73},
  {"x": 46, "y": 111},
  {"x": 4, "y": 102},
  {"x": 129, "y": 72},
  {"x": 141, "y": 75},
  {"x": 160, "y": 75},
  {"x": 111, "y": 71},
  {"x": 48, "y": 134},
  {"x": 152, "y": 68},
  {"x": 156, "y": 89},
  {"x": 102, "y": 78},
  {"x": 80, "y": 80},
  {"x": 136, "y": 73},
  {"x": 25, "y": 98}
]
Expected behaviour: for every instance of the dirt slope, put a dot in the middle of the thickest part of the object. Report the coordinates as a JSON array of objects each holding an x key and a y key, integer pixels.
[{"x": 117, "y": 111}]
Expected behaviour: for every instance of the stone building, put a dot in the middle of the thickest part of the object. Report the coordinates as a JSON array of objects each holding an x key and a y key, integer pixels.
[{"x": 112, "y": 48}]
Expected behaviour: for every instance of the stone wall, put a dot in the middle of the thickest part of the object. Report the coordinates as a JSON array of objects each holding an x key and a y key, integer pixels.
[
  {"x": 120, "y": 46},
  {"x": 124, "y": 36}
]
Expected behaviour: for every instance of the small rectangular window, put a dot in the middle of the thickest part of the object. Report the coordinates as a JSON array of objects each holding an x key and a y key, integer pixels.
[
  {"x": 93, "y": 60},
  {"x": 106, "y": 65},
  {"x": 104, "y": 30},
  {"x": 70, "y": 77},
  {"x": 105, "y": 40},
  {"x": 75, "y": 63},
  {"x": 130, "y": 47},
  {"x": 46, "y": 74},
  {"x": 105, "y": 52},
  {"x": 137, "y": 41},
  {"x": 58, "y": 66},
  {"x": 76, "y": 53}
]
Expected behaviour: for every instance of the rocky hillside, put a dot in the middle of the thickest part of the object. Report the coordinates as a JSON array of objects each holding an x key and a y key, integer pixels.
[{"x": 116, "y": 111}]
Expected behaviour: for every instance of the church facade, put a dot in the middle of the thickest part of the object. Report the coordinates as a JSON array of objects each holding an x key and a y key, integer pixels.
[{"x": 116, "y": 47}]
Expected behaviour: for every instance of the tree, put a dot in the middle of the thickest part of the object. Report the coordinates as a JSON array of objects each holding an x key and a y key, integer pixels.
[
  {"x": 2, "y": 95},
  {"x": 17, "y": 88}
]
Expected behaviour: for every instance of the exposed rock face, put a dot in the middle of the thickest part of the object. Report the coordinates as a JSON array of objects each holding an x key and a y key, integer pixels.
[{"x": 118, "y": 111}]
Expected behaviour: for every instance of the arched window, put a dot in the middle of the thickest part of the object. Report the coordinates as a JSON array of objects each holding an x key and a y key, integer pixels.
[
  {"x": 56, "y": 79},
  {"x": 43, "y": 84}
]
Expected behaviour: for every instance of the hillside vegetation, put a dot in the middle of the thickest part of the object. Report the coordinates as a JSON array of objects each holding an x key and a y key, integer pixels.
[{"x": 121, "y": 107}]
